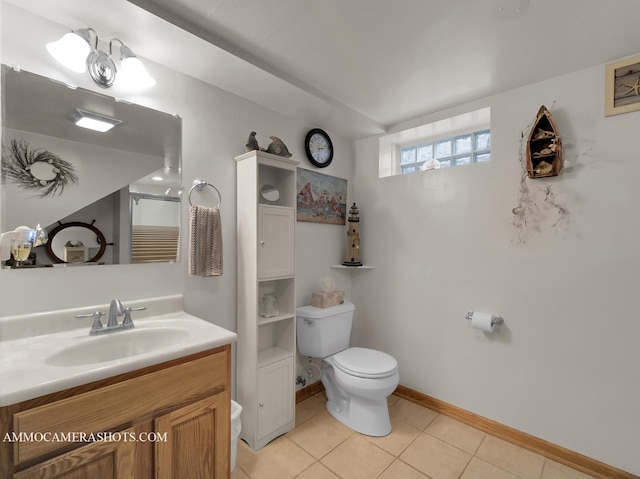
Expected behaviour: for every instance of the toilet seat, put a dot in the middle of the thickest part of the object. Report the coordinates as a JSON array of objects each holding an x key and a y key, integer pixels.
[{"x": 365, "y": 363}]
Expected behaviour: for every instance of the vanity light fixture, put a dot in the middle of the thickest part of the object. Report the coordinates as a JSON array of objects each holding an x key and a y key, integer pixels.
[
  {"x": 93, "y": 121},
  {"x": 75, "y": 51}
]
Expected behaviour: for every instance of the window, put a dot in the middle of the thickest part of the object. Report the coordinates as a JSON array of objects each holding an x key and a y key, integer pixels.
[
  {"x": 453, "y": 151},
  {"x": 450, "y": 141}
]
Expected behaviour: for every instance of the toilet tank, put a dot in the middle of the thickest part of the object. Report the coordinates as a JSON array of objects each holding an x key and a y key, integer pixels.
[{"x": 322, "y": 332}]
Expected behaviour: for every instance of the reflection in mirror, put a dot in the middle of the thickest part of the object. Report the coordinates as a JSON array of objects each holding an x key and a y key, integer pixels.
[
  {"x": 59, "y": 173},
  {"x": 154, "y": 228},
  {"x": 76, "y": 242},
  {"x": 270, "y": 193}
]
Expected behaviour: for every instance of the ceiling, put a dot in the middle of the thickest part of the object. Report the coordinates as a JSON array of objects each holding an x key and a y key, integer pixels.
[{"x": 362, "y": 66}]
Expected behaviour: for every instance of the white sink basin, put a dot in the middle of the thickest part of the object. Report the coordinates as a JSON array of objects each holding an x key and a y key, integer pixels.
[
  {"x": 42, "y": 353},
  {"x": 118, "y": 345}
]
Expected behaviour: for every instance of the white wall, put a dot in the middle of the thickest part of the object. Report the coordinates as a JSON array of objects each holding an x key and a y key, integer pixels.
[
  {"x": 215, "y": 127},
  {"x": 564, "y": 366}
]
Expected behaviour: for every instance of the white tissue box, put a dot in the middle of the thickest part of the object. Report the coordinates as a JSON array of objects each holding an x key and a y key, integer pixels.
[{"x": 323, "y": 299}]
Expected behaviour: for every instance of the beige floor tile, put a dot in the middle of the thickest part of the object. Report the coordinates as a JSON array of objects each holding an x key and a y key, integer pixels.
[
  {"x": 311, "y": 407},
  {"x": 317, "y": 471},
  {"x": 519, "y": 461},
  {"x": 401, "y": 470},
  {"x": 402, "y": 434},
  {"x": 555, "y": 470},
  {"x": 239, "y": 474},
  {"x": 478, "y": 469},
  {"x": 392, "y": 399},
  {"x": 456, "y": 433},
  {"x": 281, "y": 459},
  {"x": 357, "y": 458},
  {"x": 320, "y": 434},
  {"x": 411, "y": 413},
  {"x": 435, "y": 458}
]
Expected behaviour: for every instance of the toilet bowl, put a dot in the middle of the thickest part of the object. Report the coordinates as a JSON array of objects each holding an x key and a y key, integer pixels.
[
  {"x": 357, "y": 394},
  {"x": 357, "y": 380}
]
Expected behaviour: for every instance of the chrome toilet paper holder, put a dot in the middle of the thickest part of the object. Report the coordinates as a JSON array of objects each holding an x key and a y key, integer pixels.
[{"x": 495, "y": 320}]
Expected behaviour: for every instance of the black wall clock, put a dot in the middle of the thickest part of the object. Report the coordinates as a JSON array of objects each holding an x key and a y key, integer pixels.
[{"x": 319, "y": 148}]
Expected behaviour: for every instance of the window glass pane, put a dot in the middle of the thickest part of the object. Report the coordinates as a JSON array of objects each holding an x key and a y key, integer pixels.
[
  {"x": 425, "y": 152},
  {"x": 443, "y": 148},
  {"x": 463, "y": 160},
  {"x": 407, "y": 155},
  {"x": 483, "y": 157},
  {"x": 462, "y": 144},
  {"x": 445, "y": 163},
  {"x": 408, "y": 169},
  {"x": 483, "y": 140}
]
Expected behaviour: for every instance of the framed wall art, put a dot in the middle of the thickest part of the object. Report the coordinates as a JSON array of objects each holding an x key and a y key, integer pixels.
[
  {"x": 622, "y": 86},
  {"x": 321, "y": 198}
]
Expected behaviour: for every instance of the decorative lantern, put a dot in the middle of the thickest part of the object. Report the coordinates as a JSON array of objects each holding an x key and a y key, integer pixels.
[{"x": 353, "y": 235}]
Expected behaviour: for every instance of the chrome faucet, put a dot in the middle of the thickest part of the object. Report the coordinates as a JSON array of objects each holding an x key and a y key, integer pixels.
[{"x": 115, "y": 309}]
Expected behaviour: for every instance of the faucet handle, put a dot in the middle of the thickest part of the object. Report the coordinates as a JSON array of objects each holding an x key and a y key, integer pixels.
[
  {"x": 96, "y": 315},
  {"x": 127, "y": 314}
]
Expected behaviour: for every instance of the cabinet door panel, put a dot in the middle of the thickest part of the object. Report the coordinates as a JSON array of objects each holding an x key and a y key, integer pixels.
[
  {"x": 197, "y": 443},
  {"x": 275, "y": 396},
  {"x": 98, "y": 460},
  {"x": 276, "y": 240}
]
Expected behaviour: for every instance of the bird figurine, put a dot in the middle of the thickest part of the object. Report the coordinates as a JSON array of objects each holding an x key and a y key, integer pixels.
[
  {"x": 277, "y": 147},
  {"x": 252, "y": 143}
]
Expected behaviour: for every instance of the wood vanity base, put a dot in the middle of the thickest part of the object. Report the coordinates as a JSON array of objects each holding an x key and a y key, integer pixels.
[{"x": 187, "y": 401}]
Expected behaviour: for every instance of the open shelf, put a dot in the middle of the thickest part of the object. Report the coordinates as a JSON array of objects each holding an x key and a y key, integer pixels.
[
  {"x": 341, "y": 266},
  {"x": 272, "y": 355},
  {"x": 274, "y": 319}
]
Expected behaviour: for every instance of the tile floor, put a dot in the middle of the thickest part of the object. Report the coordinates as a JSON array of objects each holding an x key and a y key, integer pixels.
[{"x": 422, "y": 445}]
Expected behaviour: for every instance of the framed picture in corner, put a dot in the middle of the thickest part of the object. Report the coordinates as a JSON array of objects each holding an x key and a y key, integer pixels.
[{"x": 622, "y": 86}]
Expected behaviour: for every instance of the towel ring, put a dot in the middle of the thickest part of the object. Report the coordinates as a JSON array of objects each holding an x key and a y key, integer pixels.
[{"x": 199, "y": 185}]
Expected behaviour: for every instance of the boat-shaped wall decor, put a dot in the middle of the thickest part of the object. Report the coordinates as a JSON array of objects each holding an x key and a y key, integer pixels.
[{"x": 544, "y": 147}]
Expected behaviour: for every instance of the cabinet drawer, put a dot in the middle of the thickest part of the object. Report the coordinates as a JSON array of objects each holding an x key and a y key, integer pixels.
[{"x": 116, "y": 406}]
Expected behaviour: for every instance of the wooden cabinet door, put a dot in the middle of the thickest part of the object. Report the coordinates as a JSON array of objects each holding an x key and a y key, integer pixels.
[
  {"x": 98, "y": 460},
  {"x": 197, "y": 445},
  {"x": 275, "y": 396},
  {"x": 276, "y": 240}
]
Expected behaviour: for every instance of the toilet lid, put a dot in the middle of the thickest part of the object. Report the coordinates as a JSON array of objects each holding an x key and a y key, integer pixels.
[{"x": 365, "y": 363}]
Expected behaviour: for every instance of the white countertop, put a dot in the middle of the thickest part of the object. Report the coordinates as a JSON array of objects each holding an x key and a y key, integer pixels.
[{"x": 26, "y": 374}]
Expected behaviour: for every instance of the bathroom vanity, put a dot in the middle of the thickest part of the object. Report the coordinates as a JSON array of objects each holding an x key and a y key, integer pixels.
[{"x": 150, "y": 415}]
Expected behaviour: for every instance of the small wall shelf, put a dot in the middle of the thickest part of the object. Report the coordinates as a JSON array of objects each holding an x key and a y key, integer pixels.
[{"x": 341, "y": 266}]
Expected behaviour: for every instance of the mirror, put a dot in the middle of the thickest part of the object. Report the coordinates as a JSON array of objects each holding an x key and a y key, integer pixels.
[
  {"x": 270, "y": 193},
  {"x": 54, "y": 172}
]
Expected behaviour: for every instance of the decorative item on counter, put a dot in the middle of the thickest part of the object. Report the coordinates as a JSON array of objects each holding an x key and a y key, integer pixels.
[
  {"x": 353, "y": 235},
  {"x": 269, "y": 305},
  {"x": 544, "y": 147},
  {"x": 328, "y": 297},
  {"x": 277, "y": 147},
  {"x": 34, "y": 236},
  {"x": 252, "y": 143}
]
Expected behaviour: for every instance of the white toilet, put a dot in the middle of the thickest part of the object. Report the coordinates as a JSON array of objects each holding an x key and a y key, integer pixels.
[{"x": 357, "y": 380}]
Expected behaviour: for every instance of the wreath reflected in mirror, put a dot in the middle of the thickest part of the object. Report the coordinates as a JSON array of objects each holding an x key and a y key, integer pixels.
[{"x": 36, "y": 169}]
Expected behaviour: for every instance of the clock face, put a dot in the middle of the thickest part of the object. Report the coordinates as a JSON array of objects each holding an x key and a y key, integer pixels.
[{"x": 319, "y": 148}]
